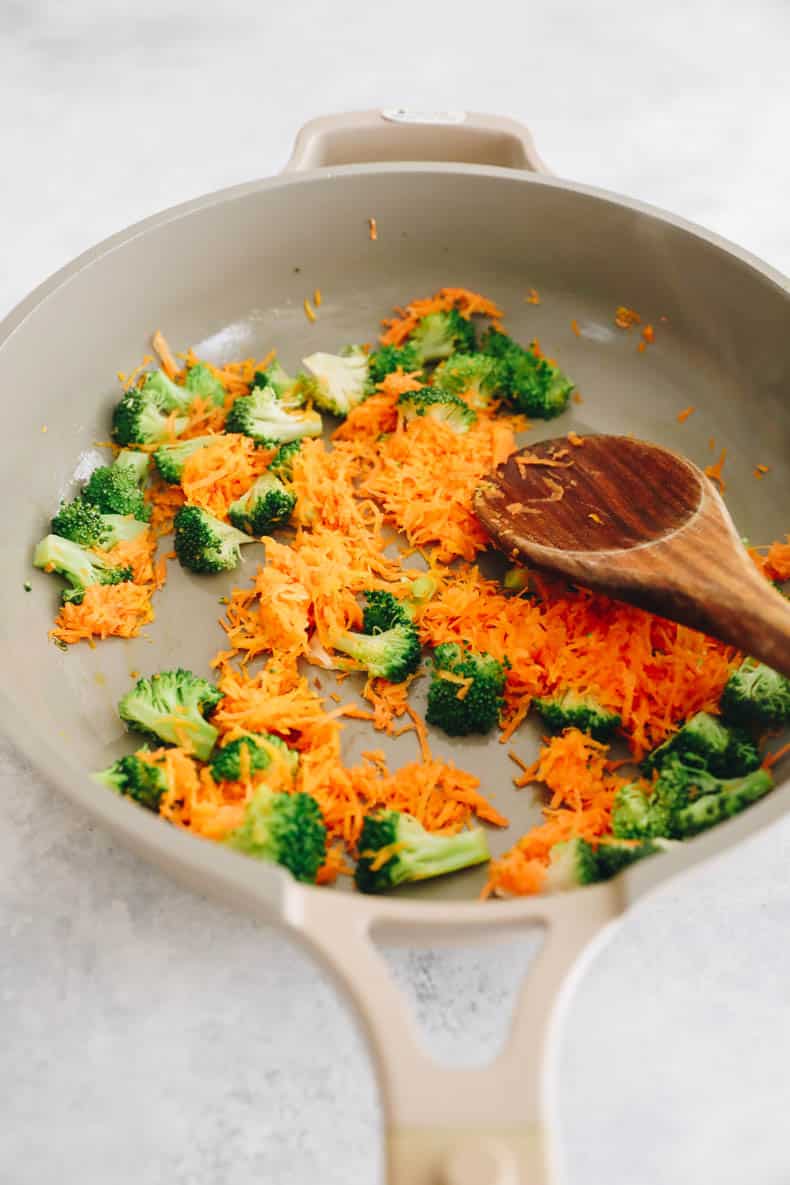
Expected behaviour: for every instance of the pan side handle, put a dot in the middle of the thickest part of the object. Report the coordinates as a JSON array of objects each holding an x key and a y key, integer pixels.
[
  {"x": 400, "y": 134},
  {"x": 487, "y": 1125}
]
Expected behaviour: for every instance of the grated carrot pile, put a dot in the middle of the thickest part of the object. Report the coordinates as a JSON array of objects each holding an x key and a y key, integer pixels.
[
  {"x": 219, "y": 473},
  {"x": 576, "y": 771}
]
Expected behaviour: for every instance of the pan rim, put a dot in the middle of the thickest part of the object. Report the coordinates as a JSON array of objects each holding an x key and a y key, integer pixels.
[{"x": 268, "y": 891}]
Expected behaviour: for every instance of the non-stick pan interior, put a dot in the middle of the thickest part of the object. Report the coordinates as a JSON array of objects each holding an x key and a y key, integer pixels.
[{"x": 228, "y": 275}]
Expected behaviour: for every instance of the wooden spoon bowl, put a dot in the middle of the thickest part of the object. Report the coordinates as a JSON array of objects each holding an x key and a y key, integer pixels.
[{"x": 642, "y": 524}]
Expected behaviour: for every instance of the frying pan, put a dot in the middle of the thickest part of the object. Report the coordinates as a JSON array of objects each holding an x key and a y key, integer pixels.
[{"x": 459, "y": 199}]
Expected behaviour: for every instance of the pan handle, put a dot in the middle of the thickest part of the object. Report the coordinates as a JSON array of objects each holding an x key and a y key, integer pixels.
[
  {"x": 401, "y": 134},
  {"x": 479, "y": 1126}
]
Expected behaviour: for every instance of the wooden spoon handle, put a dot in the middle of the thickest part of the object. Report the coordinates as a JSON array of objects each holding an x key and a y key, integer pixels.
[{"x": 753, "y": 616}]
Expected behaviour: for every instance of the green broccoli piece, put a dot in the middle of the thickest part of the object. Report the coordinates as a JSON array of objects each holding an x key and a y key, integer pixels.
[
  {"x": 165, "y": 393},
  {"x": 140, "y": 419},
  {"x": 390, "y": 646},
  {"x": 265, "y": 418},
  {"x": 200, "y": 381},
  {"x": 116, "y": 488},
  {"x": 706, "y": 741},
  {"x": 282, "y": 463},
  {"x": 571, "y": 864},
  {"x": 476, "y": 377},
  {"x": 612, "y": 856},
  {"x": 262, "y": 750},
  {"x": 516, "y": 580},
  {"x": 420, "y": 592},
  {"x": 465, "y": 694},
  {"x": 756, "y": 695},
  {"x": 341, "y": 379},
  {"x": 292, "y": 392},
  {"x": 83, "y": 523},
  {"x": 416, "y": 853},
  {"x": 170, "y": 459},
  {"x": 389, "y": 358},
  {"x": 529, "y": 383},
  {"x": 141, "y": 780},
  {"x": 81, "y": 567},
  {"x": 266, "y": 505},
  {"x": 731, "y": 797},
  {"x": 571, "y": 709},
  {"x": 439, "y": 335},
  {"x": 631, "y": 817},
  {"x": 284, "y": 828},
  {"x": 134, "y": 464},
  {"x": 204, "y": 543},
  {"x": 175, "y": 707},
  {"x": 437, "y": 405}
]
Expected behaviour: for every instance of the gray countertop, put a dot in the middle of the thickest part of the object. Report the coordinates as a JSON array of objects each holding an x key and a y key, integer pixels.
[{"x": 150, "y": 1038}]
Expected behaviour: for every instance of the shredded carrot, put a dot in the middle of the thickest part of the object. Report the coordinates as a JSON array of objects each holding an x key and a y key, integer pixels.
[
  {"x": 625, "y": 318},
  {"x": 168, "y": 362},
  {"x": 309, "y": 310},
  {"x": 714, "y": 471},
  {"x": 575, "y": 327},
  {"x": 317, "y": 298},
  {"x": 772, "y": 758},
  {"x": 373, "y": 230},
  {"x": 106, "y": 611},
  {"x": 532, "y": 297},
  {"x": 684, "y": 415},
  {"x": 648, "y": 335},
  {"x": 576, "y": 440}
]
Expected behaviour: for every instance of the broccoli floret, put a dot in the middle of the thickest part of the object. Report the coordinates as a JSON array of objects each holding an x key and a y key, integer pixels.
[
  {"x": 416, "y": 853},
  {"x": 204, "y": 543},
  {"x": 200, "y": 381},
  {"x": 476, "y": 377},
  {"x": 165, "y": 393},
  {"x": 756, "y": 695},
  {"x": 731, "y": 797},
  {"x": 115, "y": 489},
  {"x": 140, "y": 419},
  {"x": 174, "y": 706},
  {"x": 389, "y": 358},
  {"x": 83, "y": 523},
  {"x": 134, "y": 464},
  {"x": 264, "y": 417},
  {"x": 631, "y": 817},
  {"x": 516, "y": 580},
  {"x": 466, "y": 690},
  {"x": 531, "y": 384},
  {"x": 81, "y": 567},
  {"x": 420, "y": 592},
  {"x": 170, "y": 459},
  {"x": 341, "y": 379},
  {"x": 282, "y": 463},
  {"x": 705, "y": 740},
  {"x": 438, "y": 405},
  {"x": 266, "y": 505},
  {"x": 285, "y": 828},
  {"x": 439, "y": 335},
  {"x": 261, "y": 750},
  {"x": 571, "y": 864},
  {"x": 612, "y": 856},
  {"x": 273, "y": 376},
  {"x": 141, "y": 780},
  {"x": 684, "y": 800},
  {"x": 390, "y": 647},
  {"x": 570, "y": 709}
]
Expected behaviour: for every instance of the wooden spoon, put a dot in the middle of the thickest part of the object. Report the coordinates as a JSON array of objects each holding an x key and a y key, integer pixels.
[{"x": 642, "y": 524}]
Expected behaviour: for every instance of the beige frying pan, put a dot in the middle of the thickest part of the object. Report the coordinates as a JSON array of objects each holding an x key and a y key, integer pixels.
[{"x": 228, "y": 274}]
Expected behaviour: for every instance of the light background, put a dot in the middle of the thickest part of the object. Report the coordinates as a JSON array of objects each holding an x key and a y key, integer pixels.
[{"x": 149, "y": 1038}]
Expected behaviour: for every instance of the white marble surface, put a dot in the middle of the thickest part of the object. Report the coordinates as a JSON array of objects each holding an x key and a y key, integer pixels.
[{"x": 149, "y": 1037}]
